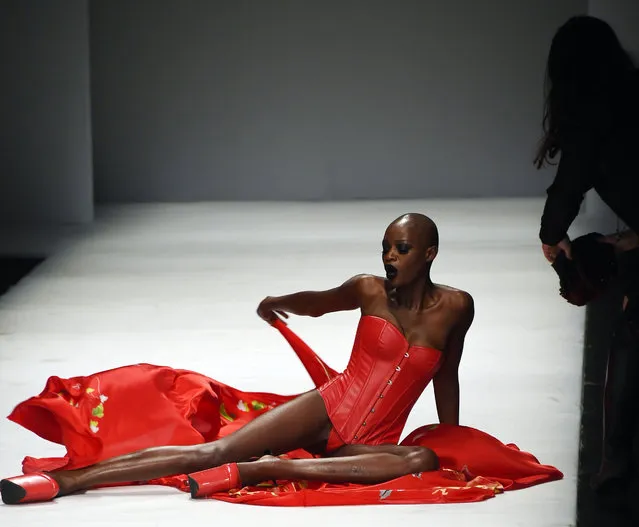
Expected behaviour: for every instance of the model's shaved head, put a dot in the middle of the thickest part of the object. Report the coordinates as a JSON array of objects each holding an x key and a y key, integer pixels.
[{"x": 423, "y": 226}]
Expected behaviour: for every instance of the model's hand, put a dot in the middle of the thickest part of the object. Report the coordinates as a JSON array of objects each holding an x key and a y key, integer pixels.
[
  {"x": 270, "y": 311},
  {"x": 551, "y": 251}
]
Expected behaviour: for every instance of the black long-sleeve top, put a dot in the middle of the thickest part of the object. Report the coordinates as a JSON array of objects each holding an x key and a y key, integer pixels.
[{"x": 602, "y": 154}]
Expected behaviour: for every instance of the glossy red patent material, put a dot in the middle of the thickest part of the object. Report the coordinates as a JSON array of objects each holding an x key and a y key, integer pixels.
[
  {"x": 213, "y": 480},
  {"x": 29, "y": 488}
]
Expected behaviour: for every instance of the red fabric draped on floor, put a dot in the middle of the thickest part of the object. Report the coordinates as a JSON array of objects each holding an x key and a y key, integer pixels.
[{"x": 134, "y": 407}]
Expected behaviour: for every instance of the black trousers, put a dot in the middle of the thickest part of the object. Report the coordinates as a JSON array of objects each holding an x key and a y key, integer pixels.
[
  {"x": 621, "y": 397},
  {"x": 629, "y": 281}
]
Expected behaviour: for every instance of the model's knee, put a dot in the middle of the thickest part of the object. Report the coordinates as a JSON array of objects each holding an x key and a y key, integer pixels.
[{"x": 422, "y": 459}]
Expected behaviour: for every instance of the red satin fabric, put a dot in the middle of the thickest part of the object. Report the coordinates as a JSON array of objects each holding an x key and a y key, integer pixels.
[
  {"x": 134, "y": 407},
  {"x": 370, "y": 401}
]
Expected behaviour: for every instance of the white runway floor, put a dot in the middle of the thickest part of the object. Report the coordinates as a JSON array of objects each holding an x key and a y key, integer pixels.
[{"x": 178, "y": 285}]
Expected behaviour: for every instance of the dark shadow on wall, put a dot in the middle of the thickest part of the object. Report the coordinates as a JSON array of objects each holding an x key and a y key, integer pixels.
[{"x": 13, "y": 269}]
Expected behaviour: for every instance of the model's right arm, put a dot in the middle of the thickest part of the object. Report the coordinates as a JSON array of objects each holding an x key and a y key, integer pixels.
[{"x": 345, "y": 297}]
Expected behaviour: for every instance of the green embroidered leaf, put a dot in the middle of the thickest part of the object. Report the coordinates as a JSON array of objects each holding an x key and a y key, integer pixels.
[
  {"x": 225, "y": 414},
  {"x": 98, "y": 411},
  {"x": 258, "y": 405}
]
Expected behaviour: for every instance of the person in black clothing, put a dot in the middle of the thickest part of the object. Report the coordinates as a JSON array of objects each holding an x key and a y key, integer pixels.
[{"x": 591, "y": 119}]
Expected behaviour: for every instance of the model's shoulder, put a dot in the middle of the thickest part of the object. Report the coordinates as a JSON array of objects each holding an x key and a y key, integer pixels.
[
  {"x": 367, "y": 283},
  {"x": 459, "y": 300},
  {"x": 367, "y": 280}
]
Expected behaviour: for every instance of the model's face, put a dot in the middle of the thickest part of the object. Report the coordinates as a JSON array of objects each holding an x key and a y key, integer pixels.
[{"x": 405, "y": 254}]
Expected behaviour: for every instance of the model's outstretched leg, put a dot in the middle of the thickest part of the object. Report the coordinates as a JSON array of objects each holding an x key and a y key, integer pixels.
[
  {"x": 296, "y": 424},
  {"x": 350, "y": 464}
]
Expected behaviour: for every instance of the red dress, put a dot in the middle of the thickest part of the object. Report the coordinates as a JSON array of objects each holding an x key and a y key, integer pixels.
[
  {"x": 370, "y": 401},
  {"x": 134, "y": 407}
]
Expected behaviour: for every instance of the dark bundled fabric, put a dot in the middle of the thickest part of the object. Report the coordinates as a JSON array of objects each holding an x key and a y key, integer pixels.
[{"x": 587, "y": 275}]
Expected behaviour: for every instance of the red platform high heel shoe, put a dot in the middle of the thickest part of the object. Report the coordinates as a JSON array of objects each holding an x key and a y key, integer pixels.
[
  {"x": 28, "y": 488},
  {"x": 212, "y": 480}
]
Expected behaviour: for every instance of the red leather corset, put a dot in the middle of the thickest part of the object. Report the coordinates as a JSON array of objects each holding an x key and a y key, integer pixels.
[{"x": 369, "y": 402}]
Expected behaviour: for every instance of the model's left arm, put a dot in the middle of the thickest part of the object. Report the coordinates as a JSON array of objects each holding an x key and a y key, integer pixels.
[{"x": 446, "y": 382}]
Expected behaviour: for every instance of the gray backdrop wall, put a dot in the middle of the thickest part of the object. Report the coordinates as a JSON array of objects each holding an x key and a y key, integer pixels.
[
  {"x": 219, "y": 100},
  {"x": 326, "y": 99},
  {"x": 45, "y": 127}
]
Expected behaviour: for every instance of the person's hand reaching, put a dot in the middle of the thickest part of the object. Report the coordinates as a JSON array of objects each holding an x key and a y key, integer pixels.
[{"x": 552, "y": 251}]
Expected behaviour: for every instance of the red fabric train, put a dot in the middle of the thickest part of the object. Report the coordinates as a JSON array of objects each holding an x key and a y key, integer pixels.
[{"x": 134, "y": 407}]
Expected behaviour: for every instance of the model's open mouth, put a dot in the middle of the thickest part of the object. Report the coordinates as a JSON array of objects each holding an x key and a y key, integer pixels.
[{"x": 391, "y": 272}]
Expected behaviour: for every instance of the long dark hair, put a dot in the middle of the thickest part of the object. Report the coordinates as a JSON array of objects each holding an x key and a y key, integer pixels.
[{"x": 586, "y": 64}]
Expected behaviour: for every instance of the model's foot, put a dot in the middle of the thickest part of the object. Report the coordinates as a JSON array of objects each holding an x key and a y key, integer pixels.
[
  {"x": 29, "y": 488},
  {"x": 212, "y": 480}
]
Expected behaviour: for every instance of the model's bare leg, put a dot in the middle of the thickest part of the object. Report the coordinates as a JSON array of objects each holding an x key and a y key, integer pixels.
[
  {"x": 350, "y": 464},
  {"x": 296, "y": 424}
]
